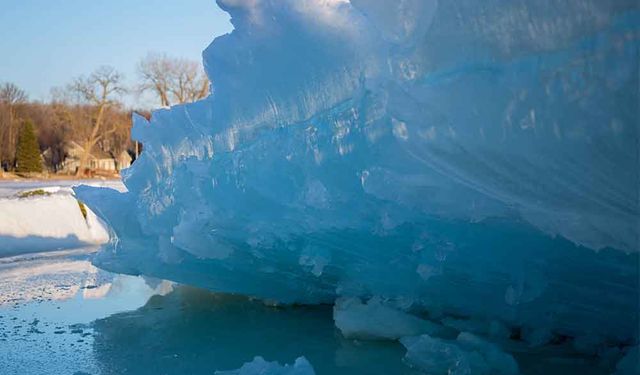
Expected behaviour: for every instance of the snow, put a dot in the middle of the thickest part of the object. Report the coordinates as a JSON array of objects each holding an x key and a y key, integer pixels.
[
  {"x": 47, "y": 222},
  {"x": 261, "y": 367},
  {"x": 466, "y": 160},
  {"x": 10, "y": 188}
]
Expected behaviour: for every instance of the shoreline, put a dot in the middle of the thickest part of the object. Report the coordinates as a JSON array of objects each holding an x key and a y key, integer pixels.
[{"x": 10, "y": 177}]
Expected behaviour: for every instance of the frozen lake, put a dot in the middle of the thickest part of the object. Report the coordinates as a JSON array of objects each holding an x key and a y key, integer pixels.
[{"x": 61, "y": 315}]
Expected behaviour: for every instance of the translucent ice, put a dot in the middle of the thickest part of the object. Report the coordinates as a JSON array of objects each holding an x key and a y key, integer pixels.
[
  {"x": 261, "y": 367},
  {"x": 467, "y": 354},
  {"x": 630, "y": 363},
  {"x": 375, "y": 320},
  {"x": 477, "y": 159}
]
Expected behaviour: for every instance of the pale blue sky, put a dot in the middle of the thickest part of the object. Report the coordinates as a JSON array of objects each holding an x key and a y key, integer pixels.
[{"x": 45, "y": 43}]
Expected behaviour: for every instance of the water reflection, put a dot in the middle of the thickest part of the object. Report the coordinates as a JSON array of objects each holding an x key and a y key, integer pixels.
[
  {"x": 47, "y": 302},
  {"x": 191, "y": 331},
  {"x": 61, "y": 315}
]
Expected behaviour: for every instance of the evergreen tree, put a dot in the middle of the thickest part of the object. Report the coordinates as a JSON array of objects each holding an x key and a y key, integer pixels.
[{"x": 27, "y": 150}]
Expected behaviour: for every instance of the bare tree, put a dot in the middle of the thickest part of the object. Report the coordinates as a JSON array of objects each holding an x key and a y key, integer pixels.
[
  {"x": 11, "y": 96},
  {"x": 172, "y": 80},
  {"x": 156, "y": 74},
  {"x": 190, "y": 83},
  {"x": 98, "y": 90}
]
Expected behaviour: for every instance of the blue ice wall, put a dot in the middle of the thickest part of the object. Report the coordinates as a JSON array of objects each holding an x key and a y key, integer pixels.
[{"x": 469, "y": 159}]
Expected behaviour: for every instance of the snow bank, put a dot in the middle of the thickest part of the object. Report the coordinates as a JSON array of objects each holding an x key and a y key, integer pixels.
[
  {"x": 9, "y": 188},
  {"x": 51, "y": 221},
  {"x": 475, "y": 160}
]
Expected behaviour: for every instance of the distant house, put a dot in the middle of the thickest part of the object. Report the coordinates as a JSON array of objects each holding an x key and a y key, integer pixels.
[{"x": 98, "y": 159}]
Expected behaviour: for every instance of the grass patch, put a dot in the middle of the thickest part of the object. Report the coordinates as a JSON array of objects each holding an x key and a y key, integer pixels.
[
  {"x": 83, "y": 209},
  {"x": 33, "y": 193}
]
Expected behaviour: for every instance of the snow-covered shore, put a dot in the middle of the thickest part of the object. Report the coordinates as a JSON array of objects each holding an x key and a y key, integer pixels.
[
  {"x": 9, "y": 188},
  {"x": 52, "y": 220}
]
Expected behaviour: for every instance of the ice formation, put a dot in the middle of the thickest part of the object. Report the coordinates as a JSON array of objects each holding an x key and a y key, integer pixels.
[{"x": 460, "y": 161}]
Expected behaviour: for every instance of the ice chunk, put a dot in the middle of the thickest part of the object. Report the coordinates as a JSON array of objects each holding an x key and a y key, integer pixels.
[
  {"x": 537, "y": 336},
  {"x": 375, "y": 320},
  {"x": 468, "y": 354},
  {"x": 494, "y": 329},
  {"x": 630, "y": 363},
  {"x": 477, "y": 158},
  {"x": 316, "y": 259},
  {"x": 261, "y": 367}
]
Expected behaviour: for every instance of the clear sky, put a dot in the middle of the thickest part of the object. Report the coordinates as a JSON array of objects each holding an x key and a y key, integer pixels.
[{"x": 45, "y": 43}]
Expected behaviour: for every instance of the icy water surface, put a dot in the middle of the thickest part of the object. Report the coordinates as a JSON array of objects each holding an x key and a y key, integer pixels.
[
  {"x": 48, "y": 303},
  {"x": 61, "y": 315}
]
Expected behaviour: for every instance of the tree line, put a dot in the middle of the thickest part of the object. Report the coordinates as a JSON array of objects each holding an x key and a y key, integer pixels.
[{"x": 89, "y": 112}]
